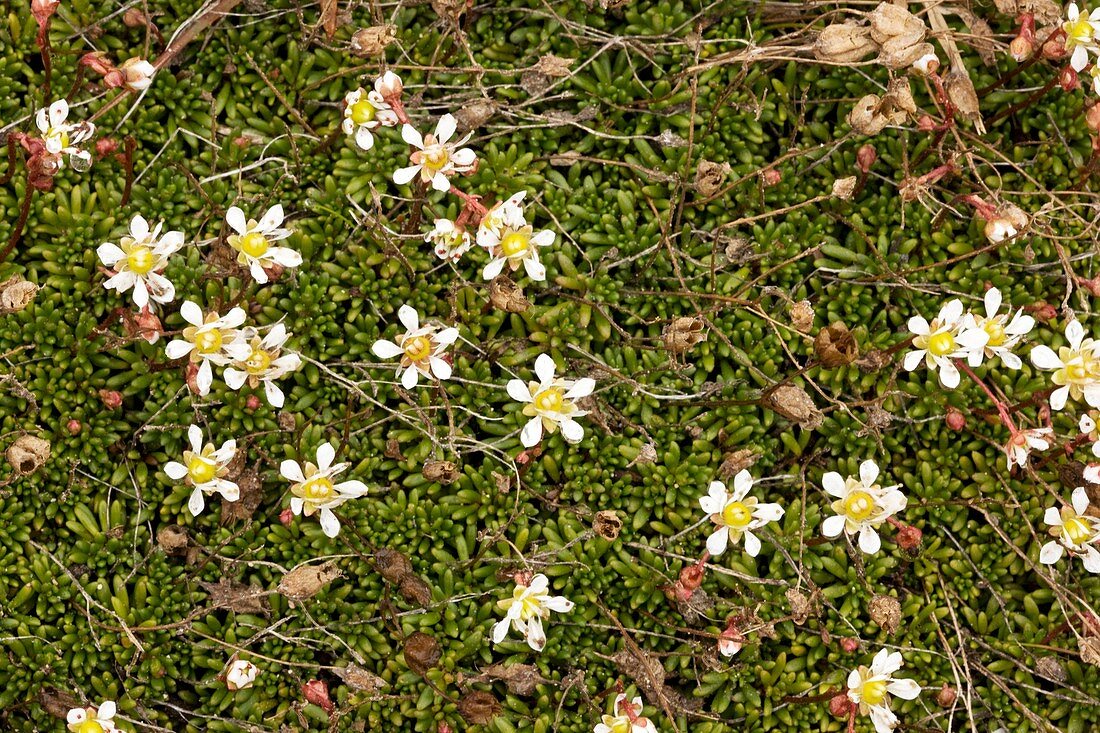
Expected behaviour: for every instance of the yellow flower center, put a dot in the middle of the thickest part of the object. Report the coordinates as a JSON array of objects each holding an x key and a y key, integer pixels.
[
  {"x": 873, "y": 692},
  {"x": 254, "y": 244},
  {"x": 258, "y": 361},
  {"x": 362, "y": 112},
  {"x": 59, "y": 135},
  {"x": 941, "y": 344},
  {"x": 620, "y": 724},
  {"x": 201, "y": 471},
  {"x": 529, "y": 608},
  {"x": 737, "y": 515},
  {"x": 514, "y": 243},
  {"x": 207, "y": 342},
  {"x": 319, "y": 489},
  {"x": 996, "y": 332},
  {"x": 89, "y": 726},
  {"x": 140, "y": 260},
  {"x": 1079, "y": 31},
  {"x": 1077, "y": 531},
  {"x": 436, "y": 157},
  {"x": 419, "y": 348},
  {"x": 550, "y": 400},
  {"x": 1077, "y": 372},
  {"x": 859, "y": 505}
]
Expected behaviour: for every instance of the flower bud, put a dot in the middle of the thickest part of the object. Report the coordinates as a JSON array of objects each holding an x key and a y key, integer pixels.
[
  {"x": 111, "y": 399},
  {"x": 909, "y": 538},
  {"x": 148, "y": 325},
  {"x": 286, "y": 516},
  {"x": 74, "y": 427},
  {"x": 1021, "y": 48},
  {"x": 390, "y": 86},
  {"x": 840, "y": 706},
  {"x": 866, "y": 157},
  {"x": 771, "y": 177},
  {"x": 241, "y": 675},
  {"x": 137, "y": 73},
  {"x": 946, "y": 696},
  {"x": 955, "y": 420},
  {"x": 691, "y": 577},
  {"x": 849, "y": 645},
  {"x": 1068, "y": 79},
  {"x": 252, "y": 402},
  {"x": 316, "y": 692},
  {"x": 16, "y": 294}
]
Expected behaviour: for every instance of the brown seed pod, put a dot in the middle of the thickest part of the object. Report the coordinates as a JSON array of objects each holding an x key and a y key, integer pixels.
[
  {"x": 795, "y": 404},
  {"x": 306, "y": 581},
  {"x": 709, "y": 177},
  {"x": 886, "y": 612},
  {"x": 27, "y": 454},
  {"x": 392, "y": 565},
  {"x": 478, "y": 708},
  {"x": 507, "y": 295},
  {"x": 607, "y": 524},
  {"x": 684, "y": 333},
  {"x": 844, "y": 43},
  {"x": 444, "y": 472},
  {"x": 421, "y": 651},
  {"x": 371, "y": 42},
  {"x": 173, "y": 539},
  {"x": 16, "y": 294},
  {"x": 416, "y": 591},
  {"x": 802, "y": 316},
  {"x": 836, "y": 346}
]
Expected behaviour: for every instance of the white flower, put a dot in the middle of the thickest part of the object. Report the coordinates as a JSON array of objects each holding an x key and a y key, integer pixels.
[
  {"x": 1002, "y": 335},
  {"x": 736, "y": 515},
  {"x": 204, "y": 468},
  {"x": 389, "y": 85},
  {"x": 939, "y": 342},
  {"x": 1081, "y": 31},
  {"x": 627, "y": 718},
  {"x": 92, "y": 719},
  {"x": 137, "y": 261},
  {"x": 314, "y": 491},
  {"x": 420, "y": 349},
  {"x": 506, "y": 213},
  {"x": 870, "y": 688},
  {"x": 514, "y": 246},
  {"x": 550, "y": 403},
  {"x": 1089, "y": 428},
  {"x": 138, "y": 73},
  {"x": 210, "y": 340},
  {"x": 253, "y": 241},
  {"x": 448, "y": 241},
  {"x": 364, "y": 111},
  {"x": 1021, "y": 444},
  {"x": 861, "y": 505},
  {"x": 1074, "y": 531},
  {"x": 927, "y": 64},
  {"x": 1076, "y": 367},
  {"x": 525, "y": 611},
  {"x": 436, "y": 159},
  {"x": 240, "y": 675},
  {"x": 63, "y": 137},
  {"x": 263, "y": 363}
]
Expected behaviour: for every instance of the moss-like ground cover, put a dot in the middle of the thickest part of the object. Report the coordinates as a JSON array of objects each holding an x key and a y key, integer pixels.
[{"x": 249, "y": 115}]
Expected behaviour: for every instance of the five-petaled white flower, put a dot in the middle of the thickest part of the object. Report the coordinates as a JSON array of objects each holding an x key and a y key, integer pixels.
[
  {"x": 514, "y": 246},
  {"x": 1002, "y": 334},
  {"x": 942, "y": 340},
  {"x": 420, "y": 348},
  {"x": 1023, "y": 442},
  {"x": 736, "y": 515},
  {"x": 525, "y": 611},
  {"x": 264, "y": 363},
  {"x": 1090, "y": 430},
  {"x": 62, "y": 137},
  {"x": 448, "y": 241},
  {"x": 1081, "y": 31},
  {"x": 550, "y": 403},
  {"x": 92, "y": 719},
  {"x": 861, "y": 505},
  {"x": 240, "y": 675},
  {"x": 212, "y": 339},
  {"x": 1076, "y": 367},
  {"x": 364, "y": 111},
  {"x": 504, "y": 213},
  {"x": 137, "y": 262},
  {"x": 137, "y": 73},
  {"x": 314, "y": 490},
  {"x": 253, "y": 241},
  {"x": 204, "y": 468},
  {"x": 627, "y": 718},
  {"x": 435, "y": 158},
  {"x": 1074, "y": 531},
  {"x": 870, "y": 689}
]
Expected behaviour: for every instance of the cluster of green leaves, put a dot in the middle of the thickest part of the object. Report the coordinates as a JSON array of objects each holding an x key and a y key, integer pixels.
[{"x": 213, "y": 132}]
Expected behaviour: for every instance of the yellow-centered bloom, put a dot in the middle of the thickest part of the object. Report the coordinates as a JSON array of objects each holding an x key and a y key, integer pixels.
[
  {"x": 1074, "y": 531},
  {"x": 137, "y": 262},
  {"x": 434, "y": 158},
  {"x": 263, "y": 363},
  {"x": 938, "y": 343},
  {"x": 1076, "y": 367},
  {"x": 92, "y": 719},
  {"x": 254, "y": 242},
  {"x": 550, "y": 403},
  {"x": 735, "y": 515},
  {"x": 527, "y": 608},
  {"x": 860, "y": 505},
  {"x": 315, "y": 492},
  {"x": 870, "y": 689},
  {"x": 209, "y": 339},
  {"x": 204, "y": 468},
  {"x": 421, "y": 349}
]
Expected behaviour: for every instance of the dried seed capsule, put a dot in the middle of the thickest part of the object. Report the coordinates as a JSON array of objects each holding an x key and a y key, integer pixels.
[{"x": 27, "y": 454}]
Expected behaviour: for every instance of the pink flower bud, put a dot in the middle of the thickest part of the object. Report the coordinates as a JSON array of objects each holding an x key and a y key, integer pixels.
[
  {"x": 771, "y": 177},
  {"x": 866, "y": 157},
  {"x": 909, "y": 538},
  {"x": 252, "y": 402},
  {"x": 286, "y": 516},
  {"x": 74, "y": 427},
  {"x": 1068, "y": 79},
  {"x": 112, "y": 400},
  {"x": 955, "y": 420},
  {"x": 191, "y": 377},
  {"x": 1021, "y": 48},
  {"x": 840, "y": 706},
  {"x": 316, "y": 692},
  {"x": 849, "y": 645}
]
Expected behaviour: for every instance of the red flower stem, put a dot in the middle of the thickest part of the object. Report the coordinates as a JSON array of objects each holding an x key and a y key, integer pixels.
[
  {"x": 470, "y": 202},
  {"x": 1001, "y": 409}
]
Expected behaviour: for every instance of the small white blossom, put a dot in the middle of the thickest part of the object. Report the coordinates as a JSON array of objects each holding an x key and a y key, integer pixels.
[
  {"x": 927, "y": 64},
  {"x": 1020, "y": 445},
  {"x": 138, "y": 260},
  {"x": 939, "y": 342},
  {"x": 515, "y": 247},
  {"x": 1002, "y": 335},
  {"x": 363, "y": 112},
  {"x": 435, "y": 158},
  {"x": 861, "y": 505},
  {"x": 504, "y": 213},
  {"x": 389, "y": 85},
  {"x": 253, "y": 241},
  {"x": 62, "y": 137},
  {"x": 265, "y": 362},
  {"x": 550, "y": 403},
  {"x": 1081, "y": 31},
  {"x": 1090, "y": 429},
  {"x": 240, "y": 675},
  {"x": 212, "y": 339},
  {"x": 736, "y": 514},
  {"x": 871, "y": 688},
  {"x": 314, "y": 490},
  {"x": 627, "y": 718},
  {"x": 92, "y": 719},
  {"x": 204, "y": 468},
  {"x": 525, "y": 611},
  {"x": 420, "y": 348},
  {"x": 1074, "y": 531},
  {"x": 1076, "y": 367},
  {"x": 137, "y": 73},
  {"x": 448, "y": 241}
]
